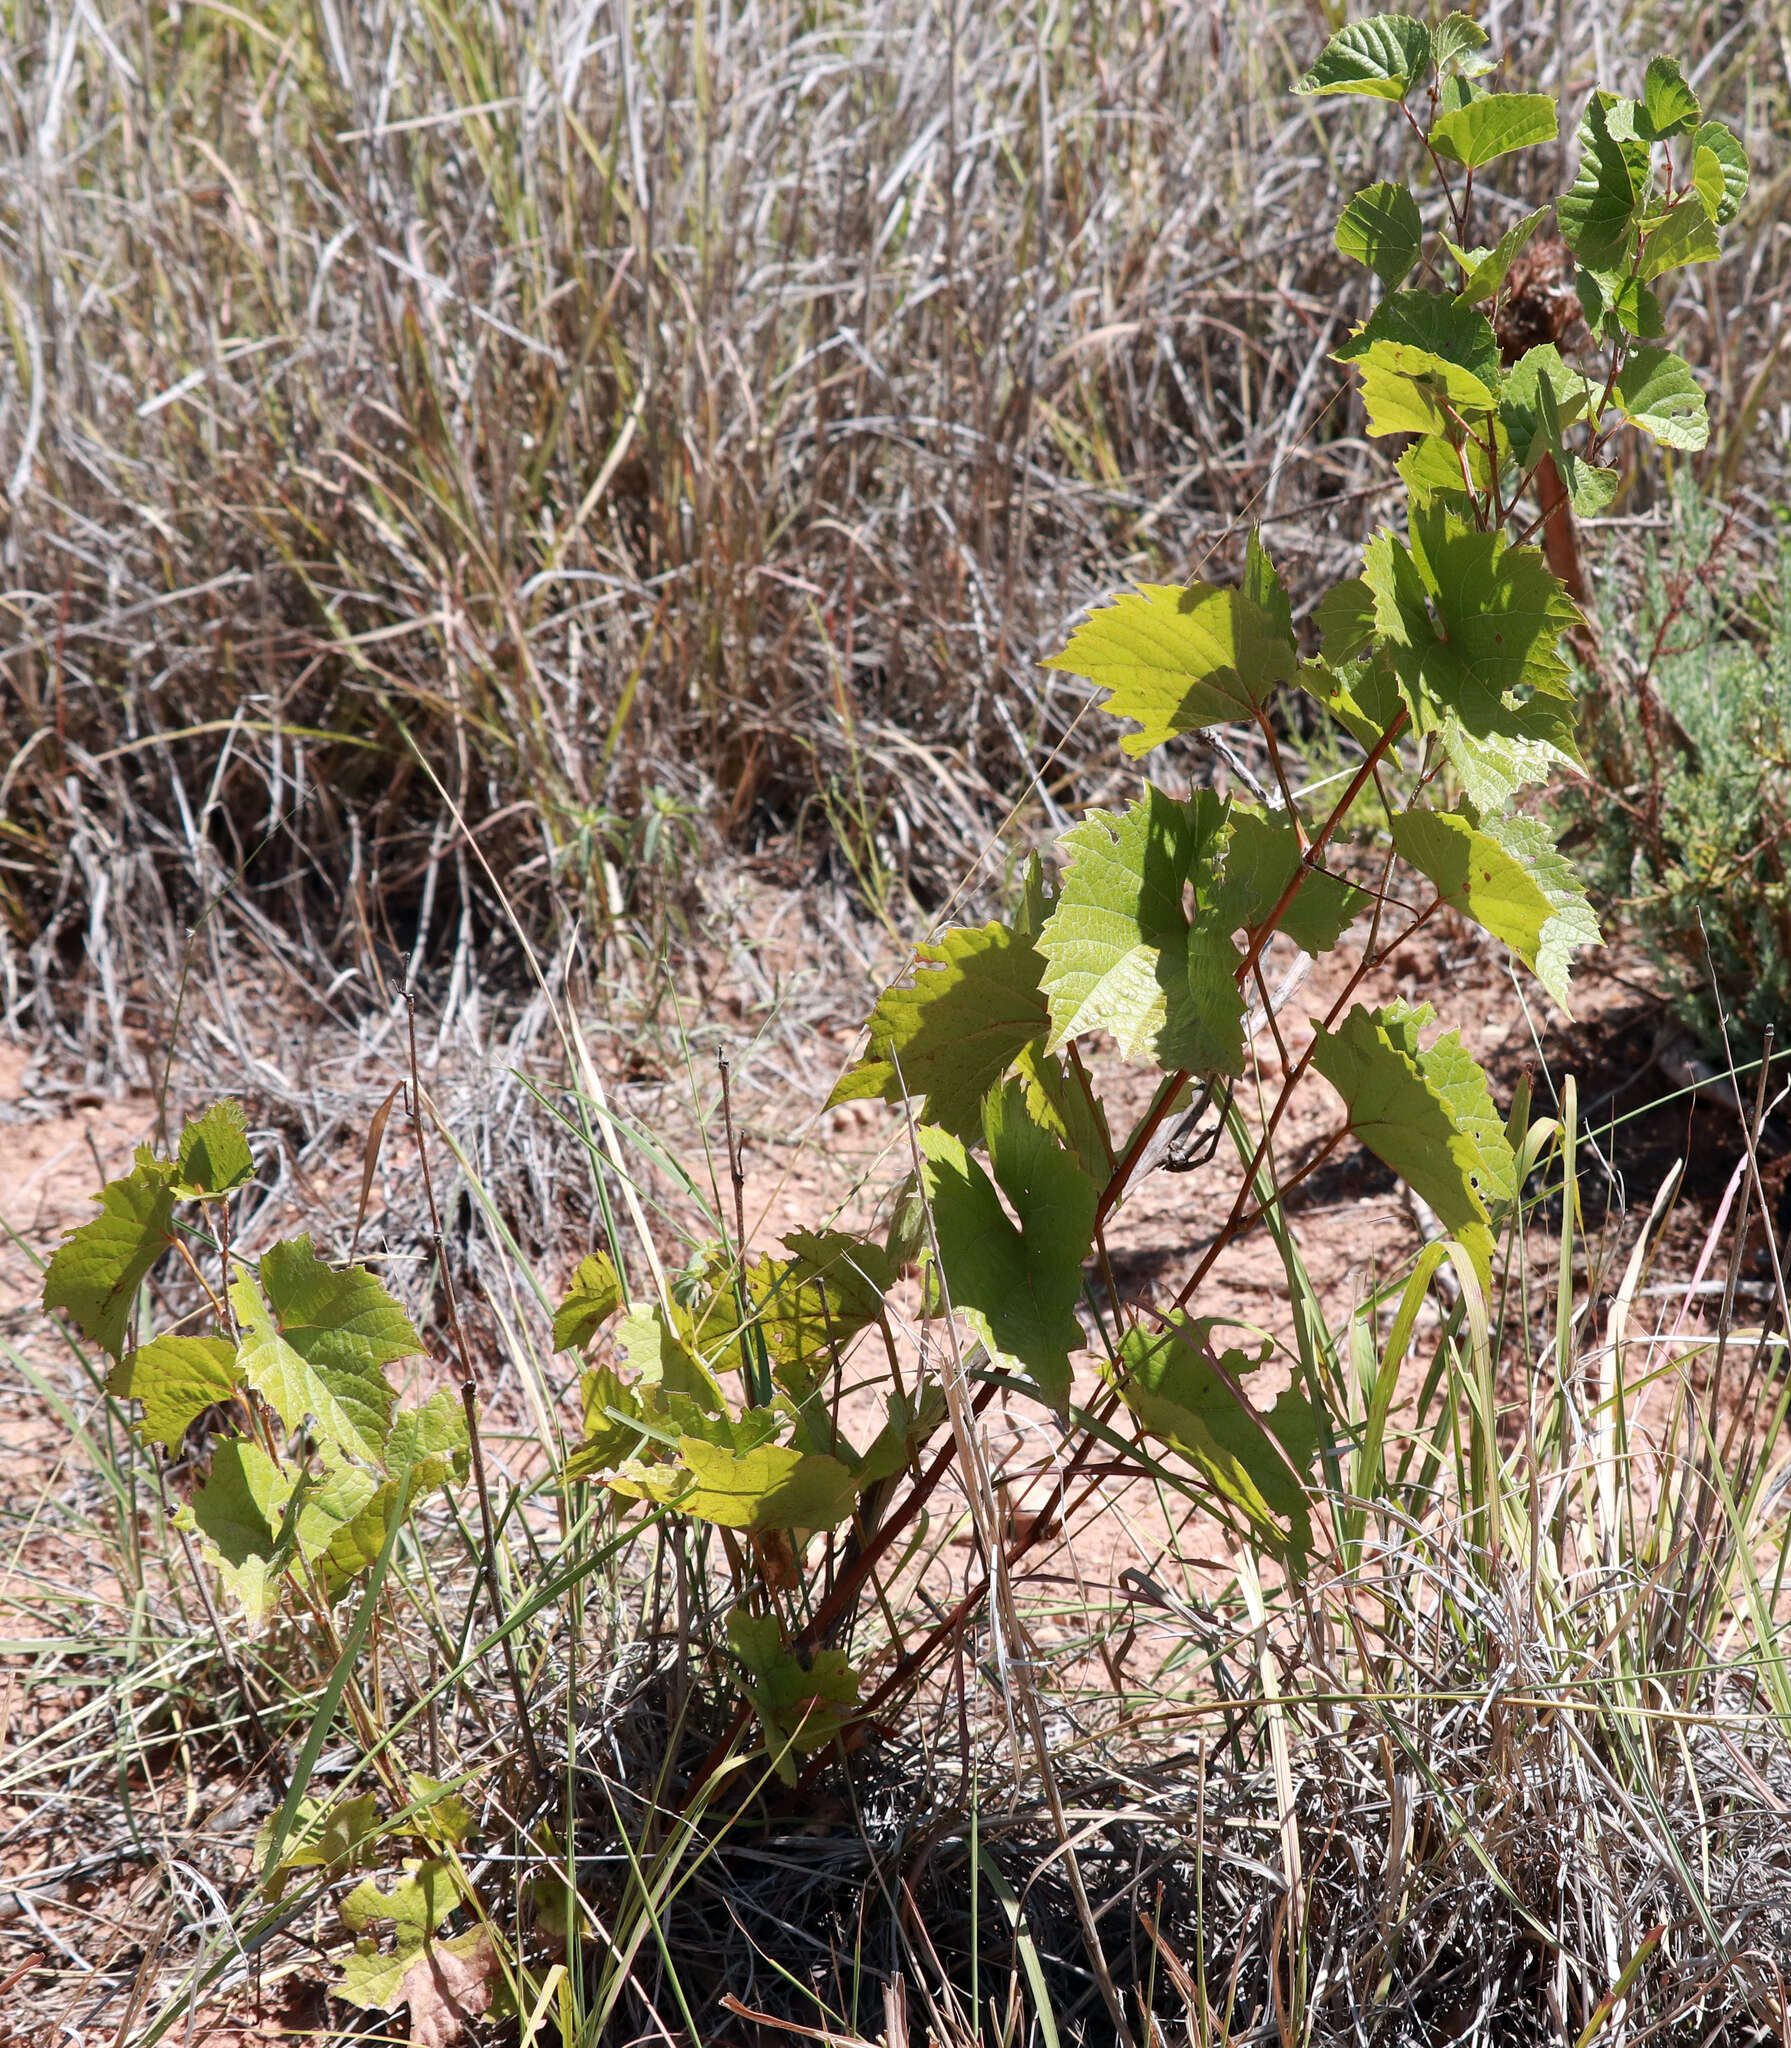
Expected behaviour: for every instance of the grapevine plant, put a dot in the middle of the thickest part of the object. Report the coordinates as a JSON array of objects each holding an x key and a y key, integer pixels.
[{"x": 1444, "y": 666}]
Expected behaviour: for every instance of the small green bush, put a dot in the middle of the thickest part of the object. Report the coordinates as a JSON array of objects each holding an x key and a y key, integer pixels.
[{"x": 1687, "y": 822}]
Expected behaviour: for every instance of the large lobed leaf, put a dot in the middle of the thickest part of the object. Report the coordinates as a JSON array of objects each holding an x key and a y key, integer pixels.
[
  {"x": 318, "y": 1344},
  {"x": 1427, "y": 1113},
  {"x": 1121, "y": 952},
  {"x": 1495, "y": 874},
  {"x": 1190, "y": 1398},
  {"x": 1014, "y": 1276},
  {"x": 946, "y": 1038},
  {"x": 1178, "y": 658},
  {"x": 96, "y": 1270}
]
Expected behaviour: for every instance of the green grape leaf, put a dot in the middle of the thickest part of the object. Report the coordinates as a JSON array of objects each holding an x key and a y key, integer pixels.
[
  {"x": 176, "y": 1379},
  {"x": 1707, "y": 180},
  {"x": 758, "y": 1487},
  {"x": 1726, "y": 147},
  {"x": 1722, "y": 144},
  {"x": 1345, "y": 620},
  {"x": 956, "y": 1029},
  {"x": 1120, "y": 952},
  {"x": 1382, "y": 57},
  {"x": 801, "y": 1706},
  {"x": 1478, "y": 876},
  {"x": 1483, "y": 271},
  {"x": 1669, "y": 106},
  {"x": 664, "y": 1361},
  {"x": 1059, "y": 1099},
  {"x": 811, "y": 1305},
  {"x": 595, "y": 1295},
  {"x": 1599, "y": 216},
  {"x": 1381, "y": 228},
  {"x": 427, "y": 1444},
  {"x": 1187, "y": 1395},
  {"x": 1408, "y": 390},
  {"x": 1015, "y": 1279},
  {"x": 1363, "y": 696},
  {"x": 333, "y": 1835},
  {"x": 1657, "y": 392},
  {"x": 1538, "y": 747},
  {"x": 1616, "y": 304},
  {"x": 1469, "y": 622},
  {"x": 1572, "y": 924},
  {"x": 416, "y": 1905},
  {"x": 1433, "y": 326},
  {"x": 1459, "y": 43},
  {"x": 610, "y": 1409},
  {"x": 322, "y": 1348},
  {"x": 1263, "y": 856},
  {"x": 214, "y": 1154},
  {"x": 1543, "y": 396},
  {"x": 1427, "y": 1114},
  {"x": 1177, "y": 658},
  {"x": 1433, "y": 472},
  {"x": 94, "y": 1273},
  {"x": 238, "y": 1515},
  {"x": 1685, "y": 235},
  {"x": 446, "y": 1984},
  {"x": 1494, "y": 125}
]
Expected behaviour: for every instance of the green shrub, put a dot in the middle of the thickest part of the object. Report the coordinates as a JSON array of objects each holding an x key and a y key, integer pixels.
[{"x": 1687, "y": 823}]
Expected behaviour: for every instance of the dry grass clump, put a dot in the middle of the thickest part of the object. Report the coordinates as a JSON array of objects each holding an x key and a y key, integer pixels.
[{"x": 437, "y": 433}]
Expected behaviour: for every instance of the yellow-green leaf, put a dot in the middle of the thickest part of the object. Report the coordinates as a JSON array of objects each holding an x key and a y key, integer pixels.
[
  {"x": 214, "y": 1154},
  {"x": 1492, "y": 125},
  {"x": 96, "y": 1270},
  {"x": 595, "y": 1295},
  {"x": 176, "y": 1379}
]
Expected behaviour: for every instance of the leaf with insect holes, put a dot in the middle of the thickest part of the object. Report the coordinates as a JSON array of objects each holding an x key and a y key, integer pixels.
[
  {"x": 1482, "y": 878},
  {"x": 1493, "y": 125},
  {"x": 1382, "y": 57},
  {"x": 1470, "y": 624},
  {"x": 1381, "y": 228},
  {"x": 214, "y": 1154},
  {"x": 1427, "y": 1114},
  {"x": 1179, "y": 658},
  {"x": 1599, "y": 216},
  {"x": 801, "y": 1707},
  {"x": 1483, "y": 271},
  {"x": 96, "y": 1270},
  {"x": 1188, "y": 1395},
  {"x": 947, "y": 1037},
  {"x": 1656, "y": 391},
  {"x": 1121, "y": 951},
  {"x": 1731, "y": 161},
  {"x": 321, "y": 1347},
  {"x": 594, "y": 1296},
  {"x": 1669, "y": 106},
  {"x": 1260, "y": 862},
  {"x": 239, "y": 1515},
  {"x": 1015, "y": 1271},
  {"x": 176, "y": 1379}
]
